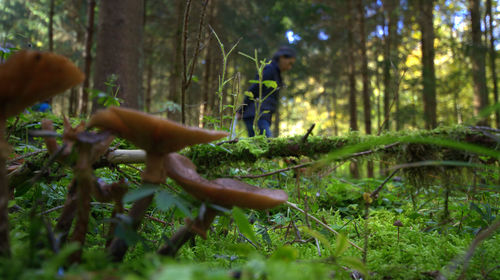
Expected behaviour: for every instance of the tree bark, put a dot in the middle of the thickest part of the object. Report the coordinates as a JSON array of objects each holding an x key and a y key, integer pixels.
[
  {"x": 175, "y": 73},
  {"x": 478, "y": 59},
  {"x": 426, "y": 8},
  {"x": 119, "y": 49},
  {"x": 352, "y": 72},
  {"x": 87, "y": 55},
  {"x": 365, "y": 75},
  {"x": 389, "y": 7},
  {"x": 493, "y": 59},
  {"x": 51, "y": 32}
]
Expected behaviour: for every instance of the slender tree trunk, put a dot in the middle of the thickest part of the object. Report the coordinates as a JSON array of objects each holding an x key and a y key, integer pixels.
[
  {"x": 478, "y": 59},
  {"x": 119, "y": 49},
  {"x": 4, "y": 188},
  {"x": 207, "y": 73},
  {"x": 493, "y": 59},
  {"x": 51, "y": 32},
  {"x": 426, "y": 8},
  {"x": 352, "y": 83},
  {"x": 175, "y": 74},
  {"x": 352, "y": 73},
  {"x": 149, "y": 81},
  {"x": 364, "y": 72},
  {"x": 87, "y": 55},
  {"x": 389, "y": 8},
  {"x": 51, "y": 26}
]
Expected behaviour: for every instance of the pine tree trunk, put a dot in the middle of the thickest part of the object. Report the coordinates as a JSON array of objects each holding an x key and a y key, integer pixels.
[
  {"x": 364, "y": 72},
  {"x": 493, "y": 59},
  {"x": 426, "y": 8},
  {"x": 478, "y": 59},
  {"x": 352, "y": 72},
  {"x": 87, "y": 55},
  {"x": 119, "y": 49},
  {"x": 175, "y": 74}
]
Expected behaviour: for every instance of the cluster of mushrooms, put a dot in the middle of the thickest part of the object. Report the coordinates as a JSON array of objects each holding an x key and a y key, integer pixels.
[{"x": 51, "y": 74}]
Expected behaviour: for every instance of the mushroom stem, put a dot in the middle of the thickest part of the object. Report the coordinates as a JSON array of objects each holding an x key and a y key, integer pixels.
[
  {"x": 84, "y": 180},
  {"x": 4, "y": 190},
  {"x": 186, "y": 233},
  {"x": 154, "y": 172}
]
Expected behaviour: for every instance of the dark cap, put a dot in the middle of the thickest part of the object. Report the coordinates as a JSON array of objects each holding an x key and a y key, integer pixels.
[{"x": 285, "y": 51}]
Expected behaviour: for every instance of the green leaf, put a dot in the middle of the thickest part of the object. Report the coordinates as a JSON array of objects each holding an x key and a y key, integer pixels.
[
  {"x": 139, "y": 193},
  {"x": 249, "y": 94},
  {"x": 270, "y": 84},
  {"x": 318, "y": 236},
  {"x": 242, "y": 222},
  {"x": 341, "y": 245},
  {"x": 286, "y": 253},
  {"x": 165, "y": 200},
  {"x": 253, "y": 81}
]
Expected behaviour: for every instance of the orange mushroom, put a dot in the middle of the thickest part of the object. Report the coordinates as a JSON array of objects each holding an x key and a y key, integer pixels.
[
  {"x": 26, "y": 78},
  {"x": 158, "y": 137},
  {"x": 155, "y": 135},
  {"x": 222, "y": 191},
  {"x": 31, "y": 76}
]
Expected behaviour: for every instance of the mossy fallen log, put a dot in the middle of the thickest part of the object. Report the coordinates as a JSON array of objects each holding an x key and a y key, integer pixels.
[{"x": 456, "y": 143}]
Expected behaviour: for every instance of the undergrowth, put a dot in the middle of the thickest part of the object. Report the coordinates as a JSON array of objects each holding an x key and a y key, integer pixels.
[{"x": 288, "y": 245}]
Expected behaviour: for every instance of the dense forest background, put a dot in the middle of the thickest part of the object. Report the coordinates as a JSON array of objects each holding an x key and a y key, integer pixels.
[{"x": 362, "y": 65}]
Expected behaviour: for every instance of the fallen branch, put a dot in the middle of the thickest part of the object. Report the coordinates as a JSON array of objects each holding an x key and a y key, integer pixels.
[{"x": 275, "y": 172}]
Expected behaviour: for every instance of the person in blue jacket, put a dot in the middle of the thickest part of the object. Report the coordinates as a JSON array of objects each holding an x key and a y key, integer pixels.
[{"x": 282, "y": 61}]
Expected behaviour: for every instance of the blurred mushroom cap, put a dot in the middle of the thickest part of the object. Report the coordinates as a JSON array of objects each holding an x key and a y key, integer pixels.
[
  {"x": 398, "y": 223},
  {"x": 223, "y": 191},
  {"x": 151, "y": 133},
  {"x": 32, "y": 76}
]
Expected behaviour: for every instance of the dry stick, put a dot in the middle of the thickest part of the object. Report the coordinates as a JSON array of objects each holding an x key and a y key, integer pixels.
[
  {"x": 304, "y": 139},
  {"x": 386, "y": 117},
  {"x": 479, "y": 238},
  {"x": 373, "y": 195},
  {"x": 294, "y": 206},
  {"x": 276, "y": 171},
  {"x": 187, "y": 77},
  {"x": 252, "y": 176},
  {"x": 25, "y": 156}
]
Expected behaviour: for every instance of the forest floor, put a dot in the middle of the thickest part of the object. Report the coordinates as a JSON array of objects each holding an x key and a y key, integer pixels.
[{"x": 442, "y": 211}]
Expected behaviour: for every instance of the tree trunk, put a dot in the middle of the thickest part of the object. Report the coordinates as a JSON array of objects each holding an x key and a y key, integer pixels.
[
  {"x": 175, "y": 74},
  {"x": 493, "y": 59},
  {"x": 87, "y": 55},
  {"x": 478, "y": 59},
  {"x": 119, "y": 49},
  {"x": 389, "y": 8},
  {"x": 51, "y": 32},
  {"x": 352, "y": 72},
  {"x": 207, "y": 73},
  {"x": 426, "y": 8},
  {"x": 364, "y": 72},
  {"x": 352, "y": 83}
]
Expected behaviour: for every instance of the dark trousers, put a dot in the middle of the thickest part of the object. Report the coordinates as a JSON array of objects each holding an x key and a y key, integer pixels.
[{"x": 264, "y": 127}]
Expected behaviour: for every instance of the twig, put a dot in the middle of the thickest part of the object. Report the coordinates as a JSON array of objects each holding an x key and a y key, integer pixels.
[
  {"x": 374, "y": 194},
  {"x": 321, "y": 223},
  {"x": 235, "y": 140},
  {"x": 276, "y": 171},
  {"x": 248, "y": 240},
  {"x": 304, "y": 139},
  {"x": 26, "y": 156},
  {"x": 479, "y": 238}
]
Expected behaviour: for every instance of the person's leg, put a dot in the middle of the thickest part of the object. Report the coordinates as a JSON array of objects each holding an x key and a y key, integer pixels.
[
  {"x": 265, "y": 127},
  {"x": 249, "y": 125}
]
